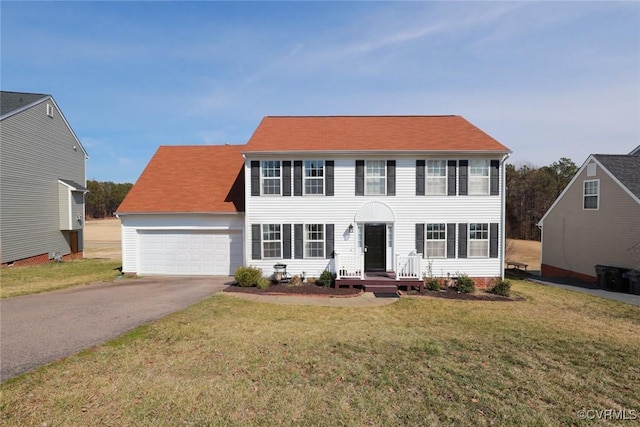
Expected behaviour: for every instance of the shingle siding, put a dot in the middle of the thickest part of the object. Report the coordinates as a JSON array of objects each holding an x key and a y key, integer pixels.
[{"x": 36, "y": 151}]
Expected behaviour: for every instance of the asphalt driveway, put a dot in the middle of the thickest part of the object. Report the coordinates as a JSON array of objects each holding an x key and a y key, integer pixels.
[{"x": 41, "y": 328}]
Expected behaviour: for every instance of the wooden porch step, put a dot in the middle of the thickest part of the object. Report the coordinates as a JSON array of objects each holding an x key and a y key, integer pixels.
[{"x": 382, "y": 288}]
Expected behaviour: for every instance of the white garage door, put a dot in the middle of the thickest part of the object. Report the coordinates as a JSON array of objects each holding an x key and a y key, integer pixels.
[{"x": 183, "y": 252}]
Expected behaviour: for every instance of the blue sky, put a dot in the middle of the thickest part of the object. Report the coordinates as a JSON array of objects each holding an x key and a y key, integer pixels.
[{"x": 547, "y": 79}]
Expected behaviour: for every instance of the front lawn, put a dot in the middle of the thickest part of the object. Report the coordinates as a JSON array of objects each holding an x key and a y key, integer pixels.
[
  {"x": 46, "y": 277},
  {"x": 420, "y": 361}
]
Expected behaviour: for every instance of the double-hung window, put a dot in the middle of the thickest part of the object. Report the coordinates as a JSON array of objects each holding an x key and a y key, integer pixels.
[
  {"x": 271, "y": 177},
  {"x": 375, "y": 177},
  {"x": 314, "y": 177},
  {"x": 272, "y": 240},
  {"x": 479, "y": 177},
  {"x": 478, "y": 240},
  {"x": 591, "y": 194},
  {"x": 314, "y": 242},
  {"x": 436, "y": 177},
  {"x": 436, "y": 240}
]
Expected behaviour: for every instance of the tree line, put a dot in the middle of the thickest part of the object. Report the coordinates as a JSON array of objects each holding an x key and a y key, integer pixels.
[
  {"x": 103, "y": 198},
  {"x": 530, "y": 191}
]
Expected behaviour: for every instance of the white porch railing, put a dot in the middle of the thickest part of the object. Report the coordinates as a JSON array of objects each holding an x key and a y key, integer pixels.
[
  {"x": 409, "y": 266},
  {"x": 349, "y": 266}
]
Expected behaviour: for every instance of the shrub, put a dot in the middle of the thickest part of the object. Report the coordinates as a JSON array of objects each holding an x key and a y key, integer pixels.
[
  {"x": 326, "y": 279},
  {"x": 248, "y": 276},
  {"x": 465, "y": 284},
  {"x": 263, "y": 283},
  {"x": 296, "y": 280},
  {"x": 432, "y": 284},
  {"x": 501, "y": 287}
]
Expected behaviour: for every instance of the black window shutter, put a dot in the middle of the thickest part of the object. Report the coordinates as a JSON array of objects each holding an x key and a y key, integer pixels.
[
  {"x": 256, "y": 242},
  {"x": 420, "y": 239},
  {"x": 359, "y": 177},
  {"x": 286, "y": 178},
  {"x": 328, "y": 178},
  {"x": 493, "y": 240},
  {"x": 464, "y": 177},
  {"x": 255, "y": 178},
  {"x": 495, "y": 177},
  {"x": 451, "y": 240},
  {"x": 286, "y": 241},
  {"x": 329, "y": 240},
  {"x": 298, "y": 235},
  {"x": 451, "y": 177},
  {"x": 391, "y": 177},
  {"x": 297, "y": 178},
  {"x": 462, "y": 240},
  {"x": 420, "y": 177}
]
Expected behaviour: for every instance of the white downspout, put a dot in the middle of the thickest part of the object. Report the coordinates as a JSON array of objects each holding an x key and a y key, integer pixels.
[{"x": 503, "y": 215}]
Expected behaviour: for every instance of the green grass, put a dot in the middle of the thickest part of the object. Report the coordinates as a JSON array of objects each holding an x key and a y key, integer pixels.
[
  {"x": 420, "y": 361},
  {"x": 17, "y": 281}
]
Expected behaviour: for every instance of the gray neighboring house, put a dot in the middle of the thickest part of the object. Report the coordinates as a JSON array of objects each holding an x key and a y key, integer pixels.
[
  {"x": 595, "y": 220},
  {"x": 42, "y": 181}
]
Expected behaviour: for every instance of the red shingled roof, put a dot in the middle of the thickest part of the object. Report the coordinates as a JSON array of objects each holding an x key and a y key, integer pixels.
[
  {"x": 206, "y": 178},
  {"x": 371, "y": 133}
]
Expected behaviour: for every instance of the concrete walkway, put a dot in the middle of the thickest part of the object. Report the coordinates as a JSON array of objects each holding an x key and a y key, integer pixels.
[
  {"x": 366, "y": 299},
  {"x": 586, "y": 288}
]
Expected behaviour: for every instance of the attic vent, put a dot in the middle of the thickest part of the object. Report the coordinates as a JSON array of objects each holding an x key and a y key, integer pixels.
[
  {"x": 49, "y": 110},
  {"x": 591, "y": 169}
]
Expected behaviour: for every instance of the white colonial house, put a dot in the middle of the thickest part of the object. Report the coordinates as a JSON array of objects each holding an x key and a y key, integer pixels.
[{"x": 360, "y": 196}]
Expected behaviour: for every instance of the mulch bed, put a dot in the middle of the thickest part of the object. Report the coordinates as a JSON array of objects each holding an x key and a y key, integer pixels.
[
  {"x": 311, "y": 289},
  {"x": 304, "y": 289},
  {"x": 478, "y": 295}
]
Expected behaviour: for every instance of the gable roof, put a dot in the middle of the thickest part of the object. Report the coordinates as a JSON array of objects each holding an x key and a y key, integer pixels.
[
  {"x": 371, "y": 133},
  {"x": 624, "y": 168},
  {"x": 195, "y": 179},
  {"x": 13, "y": 101}
]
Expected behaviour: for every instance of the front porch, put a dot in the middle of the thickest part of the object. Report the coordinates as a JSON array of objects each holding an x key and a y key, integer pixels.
[
  {"x": 407, "y": 274},
  {"x": 381, "y": 282}
]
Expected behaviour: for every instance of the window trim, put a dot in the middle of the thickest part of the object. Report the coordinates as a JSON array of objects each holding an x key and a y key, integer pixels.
[
  {"x": 384, "y": 177},
  {"x": 479, "y": 178},
  {"x": 306, "y": 240},
  {"x": 585, "y": 195},
  {"x": 305, "y": 178},
  {"x": 470, "y": 238},
  {"x": 263, "y": 241},
  {"x": 263, "y": 178},
  {"x": 445, "y": 177},
  {"x": 427, "y": 239}
]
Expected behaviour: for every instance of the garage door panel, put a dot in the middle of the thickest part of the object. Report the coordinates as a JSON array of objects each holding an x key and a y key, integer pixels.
[{"x": 189, "y": 252}]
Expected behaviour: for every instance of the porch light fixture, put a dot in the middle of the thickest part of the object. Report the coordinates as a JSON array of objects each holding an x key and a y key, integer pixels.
[{"x": 350, "y": 228}]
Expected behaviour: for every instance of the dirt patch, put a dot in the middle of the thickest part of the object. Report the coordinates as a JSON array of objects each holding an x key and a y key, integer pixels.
[
  {"x": 102, "y": 239},
  {"x": 451, "y": 293}
]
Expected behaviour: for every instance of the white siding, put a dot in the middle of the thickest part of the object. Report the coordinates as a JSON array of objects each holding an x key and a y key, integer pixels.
[
  {"x": 134, "y": 224},
  {"x": 341, "y": 209}
]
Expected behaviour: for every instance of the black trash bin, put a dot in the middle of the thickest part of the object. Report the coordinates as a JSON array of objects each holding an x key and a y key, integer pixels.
[
  {"x": 634, "y": 281},
  {"x": 602, "y": 276},
  {"x": 618, "y": 279}
]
